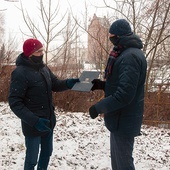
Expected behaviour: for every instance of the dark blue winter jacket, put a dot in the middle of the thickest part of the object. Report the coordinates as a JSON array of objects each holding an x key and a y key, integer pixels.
[
  {"x": 123, "y": 104},
  {"x": 30, "y": 95}
]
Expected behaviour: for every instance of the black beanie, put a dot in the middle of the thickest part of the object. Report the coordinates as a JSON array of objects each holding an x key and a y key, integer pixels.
[{"x": 120, "y": 27}]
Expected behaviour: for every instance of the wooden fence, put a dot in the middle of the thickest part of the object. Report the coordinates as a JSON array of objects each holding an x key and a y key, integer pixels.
[
  {"x": 157, "y": 107},
  {"x": 157, "y": 103}
]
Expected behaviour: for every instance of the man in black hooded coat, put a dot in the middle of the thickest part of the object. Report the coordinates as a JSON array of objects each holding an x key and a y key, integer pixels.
[{"x": 123, "y": 104}]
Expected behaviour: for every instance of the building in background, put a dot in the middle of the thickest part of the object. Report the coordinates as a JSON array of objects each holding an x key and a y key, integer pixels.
[{"x": 98, "y": 43}]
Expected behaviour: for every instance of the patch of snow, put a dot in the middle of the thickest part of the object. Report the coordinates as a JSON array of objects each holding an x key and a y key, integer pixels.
[{"x": 81, "y": 143}]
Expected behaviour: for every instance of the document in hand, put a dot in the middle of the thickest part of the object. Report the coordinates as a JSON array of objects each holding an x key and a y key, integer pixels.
[{"x": 85, "y": 84}]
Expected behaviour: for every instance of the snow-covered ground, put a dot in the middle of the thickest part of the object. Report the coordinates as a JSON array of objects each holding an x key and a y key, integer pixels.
[{"x": 81, "y": 143}]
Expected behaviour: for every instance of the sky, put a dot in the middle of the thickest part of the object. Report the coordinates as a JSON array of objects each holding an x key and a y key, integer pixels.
[
  {"x": 81, "y": 143},
  {"x": 14, "y": 20}
]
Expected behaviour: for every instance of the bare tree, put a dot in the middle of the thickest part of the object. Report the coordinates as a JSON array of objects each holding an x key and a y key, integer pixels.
[
  {"x": 98, "y": 43},
  {"x": 49, "y": 26},
  {"x": 7, "y": 47},
  {"x": 156, "y": 42},
  {"x": 1, "y": 26},
  {"x": 150, "y": 20},
  {"x": 2, "y": 46},
  {"x": 7, "y": 58},
  {"x": 52, "y": 27}
]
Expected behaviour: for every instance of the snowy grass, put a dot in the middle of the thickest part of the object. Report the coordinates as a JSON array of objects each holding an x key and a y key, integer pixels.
[{"x": 81, "y": 143}]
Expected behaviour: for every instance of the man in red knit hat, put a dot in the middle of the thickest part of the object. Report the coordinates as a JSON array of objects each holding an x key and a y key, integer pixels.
[{"x": 30, "y": 98}]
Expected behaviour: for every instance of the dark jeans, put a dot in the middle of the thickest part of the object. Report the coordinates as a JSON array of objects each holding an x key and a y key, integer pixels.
[
  {"x": 33, "y": 144},
  {"x": 121, "y": 152}
]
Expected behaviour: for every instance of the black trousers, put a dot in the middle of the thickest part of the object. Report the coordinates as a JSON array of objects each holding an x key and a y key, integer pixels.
[{"x": 121, "y": 152}]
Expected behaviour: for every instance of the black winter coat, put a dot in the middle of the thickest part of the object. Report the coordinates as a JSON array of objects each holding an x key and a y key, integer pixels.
[
  {"x": 123, "y": 104},
  {"x": 30, "y": 95}
]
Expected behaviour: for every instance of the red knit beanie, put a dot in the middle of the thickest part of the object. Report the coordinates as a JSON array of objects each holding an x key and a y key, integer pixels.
[{"x": 30, "y": 46}]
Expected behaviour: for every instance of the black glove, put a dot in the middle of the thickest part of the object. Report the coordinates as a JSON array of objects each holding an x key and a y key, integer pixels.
[
  {"x": 72, "y": 82},
  {"x": 98, "y": 84},
  {"x": 93, "y": 112},
  {"x": 43, "y": 125}
]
